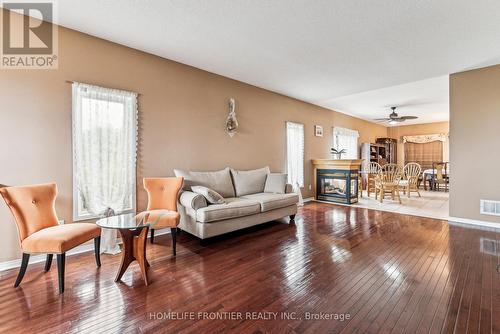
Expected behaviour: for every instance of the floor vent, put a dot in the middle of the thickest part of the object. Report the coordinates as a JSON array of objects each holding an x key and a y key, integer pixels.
[{"x": 490, "y": 207}]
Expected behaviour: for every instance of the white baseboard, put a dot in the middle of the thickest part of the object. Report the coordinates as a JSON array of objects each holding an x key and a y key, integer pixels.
[
  {"x": 308, "y": 199},
  {"x": 474, "y": 222},
  {"x": 6, "y": 265}
]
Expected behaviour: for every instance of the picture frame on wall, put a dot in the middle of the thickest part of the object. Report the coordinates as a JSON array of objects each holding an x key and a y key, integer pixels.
[{"x": 318, "y": 131}]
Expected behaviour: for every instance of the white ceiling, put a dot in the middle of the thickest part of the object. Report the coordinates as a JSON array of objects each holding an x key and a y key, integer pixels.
[
  {"x": 427, "y": 99},
  {"x": 316, "y": 51}
]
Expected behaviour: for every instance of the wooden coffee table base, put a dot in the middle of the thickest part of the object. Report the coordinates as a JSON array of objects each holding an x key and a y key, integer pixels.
[{"x": 134, "y": 248}]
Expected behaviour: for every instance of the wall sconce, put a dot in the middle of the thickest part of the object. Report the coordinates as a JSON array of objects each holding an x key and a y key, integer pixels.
[{"x": 231, "y": 121}]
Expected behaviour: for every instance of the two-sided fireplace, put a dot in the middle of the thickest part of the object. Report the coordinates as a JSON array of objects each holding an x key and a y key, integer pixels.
[{"x": 337, "y": 180}]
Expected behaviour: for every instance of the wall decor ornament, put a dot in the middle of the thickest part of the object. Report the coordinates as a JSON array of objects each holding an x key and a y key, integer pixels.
[
  {"x": 231, "y": 121},
  {"x": 318, "y": 131}
]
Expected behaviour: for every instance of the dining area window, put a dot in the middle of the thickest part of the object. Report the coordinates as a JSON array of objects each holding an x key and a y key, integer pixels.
[
  {"x": 431, "y": 153},
  {"x": 425, "y": 154}
]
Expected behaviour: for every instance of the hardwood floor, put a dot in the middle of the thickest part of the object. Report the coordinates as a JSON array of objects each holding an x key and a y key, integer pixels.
[{"x": 386, "y": 272}]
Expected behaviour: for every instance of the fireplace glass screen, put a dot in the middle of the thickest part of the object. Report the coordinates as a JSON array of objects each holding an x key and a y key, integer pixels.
[
  {"x": 333, "y": 186},
  {"x": 330, "y": 186}
]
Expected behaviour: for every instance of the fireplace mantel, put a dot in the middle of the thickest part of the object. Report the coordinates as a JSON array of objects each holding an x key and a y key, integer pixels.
[
  {"x": 336, "y": 180},
  {"x": 338, "y": 163}
]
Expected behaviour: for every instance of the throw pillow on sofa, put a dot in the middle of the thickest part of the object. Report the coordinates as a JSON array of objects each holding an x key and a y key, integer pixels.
[
  {"x": 220, "y": 181},
  {"x": 212, "y": 196},
  {"x": 247, "y": 182},
  {"x": 276, "y": 183}
]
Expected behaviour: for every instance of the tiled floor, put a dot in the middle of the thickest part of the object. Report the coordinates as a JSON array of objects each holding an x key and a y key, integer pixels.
[{"x": 433, "y": 204}]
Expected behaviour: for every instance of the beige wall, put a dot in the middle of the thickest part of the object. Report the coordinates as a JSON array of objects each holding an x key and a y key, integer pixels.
[
  {"x": 182, "y": 113},
  {"x": 475, "y": 139},
  {"x": 397, "y": 132}
]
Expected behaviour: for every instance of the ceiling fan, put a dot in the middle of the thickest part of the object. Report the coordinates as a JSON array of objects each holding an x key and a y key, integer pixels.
[{"x": 394, "y": 118}]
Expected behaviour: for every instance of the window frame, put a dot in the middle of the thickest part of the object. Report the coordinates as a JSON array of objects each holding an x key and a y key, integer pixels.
[
  {"x": 301, "y": 182},
  {"x": 78, "y": 212},
  {"x": 335, "y": 139}
]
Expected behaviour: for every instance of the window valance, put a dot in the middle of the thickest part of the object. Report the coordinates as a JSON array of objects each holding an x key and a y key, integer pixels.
[
  {"x": 422, "y": 139},
  {"x": 345, "y": 132}
]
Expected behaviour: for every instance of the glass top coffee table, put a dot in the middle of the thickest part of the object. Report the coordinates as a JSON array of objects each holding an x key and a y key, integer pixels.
[{"x": 134, "y": 231}]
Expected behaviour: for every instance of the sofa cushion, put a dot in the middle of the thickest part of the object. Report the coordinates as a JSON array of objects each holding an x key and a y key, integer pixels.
[
  {"x": 220, "y": 180},
  {"x": 211, "y": 196},
  {"x": 276, "y": 183},
  {"x": 270, "y": 202},
  {"x": 192, "y": 200},
  {"x": 248, "y": 182},
  {"x": 233, "y": 208}
]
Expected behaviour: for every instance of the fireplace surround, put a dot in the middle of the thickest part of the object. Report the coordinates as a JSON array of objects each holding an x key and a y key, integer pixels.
[{"x": 337, "y": 180}]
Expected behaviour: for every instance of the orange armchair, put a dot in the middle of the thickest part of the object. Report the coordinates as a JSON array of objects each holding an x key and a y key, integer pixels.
[
  {"x": 162, "y": 205},
  {"x": 33, "y": 208}
]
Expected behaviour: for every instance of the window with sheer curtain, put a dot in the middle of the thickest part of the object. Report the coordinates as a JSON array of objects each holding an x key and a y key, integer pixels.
[
  {"x": 346, "y": 139},
  {"x": 104, "y": 151},
  {"x": 295, "y": 153}
]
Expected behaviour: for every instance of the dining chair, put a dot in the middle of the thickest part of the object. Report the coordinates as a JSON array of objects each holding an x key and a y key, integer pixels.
[
  {"x": 387, "y": 181},
  {"x": 440, "y": 175},
  {"x": 372, "y": 169},
  {"x": 39, "y": 231},
  {"x": 411, "y": 173},
  {"x": 162, "y": 205},
  {"x": 360, "y": 185}
]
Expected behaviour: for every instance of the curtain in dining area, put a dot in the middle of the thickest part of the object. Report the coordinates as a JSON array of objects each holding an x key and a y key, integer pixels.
[{"x": 424, "y": 153}]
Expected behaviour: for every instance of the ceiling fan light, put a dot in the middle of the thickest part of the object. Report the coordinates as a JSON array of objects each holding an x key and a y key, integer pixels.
[{"x": 393, "y": 122}]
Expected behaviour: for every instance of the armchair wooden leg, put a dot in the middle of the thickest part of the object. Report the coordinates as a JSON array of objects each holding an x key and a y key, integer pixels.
[
  {"x": 61, "y": 259},
  {"x": 22, "y": 270},
  {"x": 48, "y": 262},
  {"x": 97, "y": 251},
  {"x": 173, "y": 230},
  {"x": 152, "y": 236}
]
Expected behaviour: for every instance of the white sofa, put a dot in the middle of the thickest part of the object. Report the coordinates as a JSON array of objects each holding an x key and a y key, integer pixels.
[{"x": 247, "y": 203}]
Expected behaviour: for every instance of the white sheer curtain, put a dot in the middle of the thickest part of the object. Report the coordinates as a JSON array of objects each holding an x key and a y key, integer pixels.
[
  {"x": 104, "y": 154},
  {"x": 295, "y": 156},
  {"x": 346, "y": 139}
]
